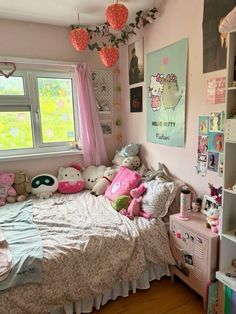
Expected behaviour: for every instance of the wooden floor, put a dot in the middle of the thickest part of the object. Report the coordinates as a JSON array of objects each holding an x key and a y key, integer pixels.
[{"x": 163, "y": 297}]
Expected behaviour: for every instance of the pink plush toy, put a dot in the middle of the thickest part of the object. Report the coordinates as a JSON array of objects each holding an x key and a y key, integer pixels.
[
  {"x": 70, "y": 180},
  {"x": 7, "y": 192},
  {"x": 123, "y": 183},
  {"x": 134, "y": 207}
]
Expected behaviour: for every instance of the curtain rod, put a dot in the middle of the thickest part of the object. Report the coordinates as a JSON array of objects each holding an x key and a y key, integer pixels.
[{"x": 36, "y": 61}]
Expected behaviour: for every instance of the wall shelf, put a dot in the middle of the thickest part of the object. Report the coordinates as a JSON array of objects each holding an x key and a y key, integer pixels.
[
  {"x": 230, "y": 235},
  {"x": 230, "y": 191},
  {"x": 228, "y": 281}
]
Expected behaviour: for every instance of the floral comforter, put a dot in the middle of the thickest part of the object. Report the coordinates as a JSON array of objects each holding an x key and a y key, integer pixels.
[{"x": 88, "y": 247}]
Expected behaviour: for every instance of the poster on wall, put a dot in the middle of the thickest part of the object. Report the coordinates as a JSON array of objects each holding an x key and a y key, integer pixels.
[
  {"x": 103, "y": 88},
  {"x": 214, "y": 42},
  {"x": 166, "y": 84},
  {"x": 216, "y": 90},
  {"x": 136, "y": 64}
]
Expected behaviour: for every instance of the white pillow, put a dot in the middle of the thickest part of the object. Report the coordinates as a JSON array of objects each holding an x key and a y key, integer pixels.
[
  {"x": 229, "y": 22},
  {"x": 158, "y": 197}
]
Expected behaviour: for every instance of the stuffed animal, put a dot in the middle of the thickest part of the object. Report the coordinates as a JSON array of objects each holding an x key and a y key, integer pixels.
[
  {"x": 102, "y": 184},
  {"x": 123, "y": 183},
  {"x": 7, "y": 192},
  {"x": 70, "y": 180},
  {"x": 213, "y": 216},
  {"x": 121, "y": 202},
  {"x": 22, "y": 186},
  {"x": 44, "y": 185},
  {"x": 132, "y": 163},
  {"x": 134, "y": 208},
  {"x": 130, "y": 150},
  {"x": 92, "y": 174}
]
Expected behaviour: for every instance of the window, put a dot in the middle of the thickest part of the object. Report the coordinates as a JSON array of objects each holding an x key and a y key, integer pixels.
[{"x": 38, "y": 113}]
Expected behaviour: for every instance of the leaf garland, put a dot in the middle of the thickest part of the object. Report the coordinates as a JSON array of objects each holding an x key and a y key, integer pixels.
[{"x": 141, "y": 20}]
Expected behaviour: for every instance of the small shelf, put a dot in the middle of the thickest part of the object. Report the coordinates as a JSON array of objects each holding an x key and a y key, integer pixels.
[
  {"x": 228, "y": 281},
  {"x": 231, "y": 142},
  {"x": 232, "y": 88},
  {"x": 230, "y": 191},
  {"x": 230, "y": 235}
]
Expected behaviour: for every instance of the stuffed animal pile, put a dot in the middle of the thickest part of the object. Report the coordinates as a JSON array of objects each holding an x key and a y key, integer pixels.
[{"x": 128, "y": 157}]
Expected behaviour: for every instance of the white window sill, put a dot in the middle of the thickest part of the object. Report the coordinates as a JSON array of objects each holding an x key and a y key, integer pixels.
[{"x": 41, "y": 155}]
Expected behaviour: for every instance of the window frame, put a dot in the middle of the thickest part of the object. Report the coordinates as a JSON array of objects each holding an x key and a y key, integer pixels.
[{"x": 30, "y": 103}]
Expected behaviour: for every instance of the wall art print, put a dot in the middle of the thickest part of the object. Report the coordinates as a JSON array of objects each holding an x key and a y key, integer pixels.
[
  {"x": 107, "y": 128},
  {"x": 136, "y": 64},
  {"x": 214, "y": 42},
  {"x": 216, "y": 90},
  {"x": 136, "y": 99},
  {"x": 166, "y": 84},
  {"x": 103, "y": 87},
  {"x": 203, "y": 125}
]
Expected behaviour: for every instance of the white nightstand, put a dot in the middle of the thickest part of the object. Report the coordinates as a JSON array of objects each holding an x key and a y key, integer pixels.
[{"x": 195, "y": 249}]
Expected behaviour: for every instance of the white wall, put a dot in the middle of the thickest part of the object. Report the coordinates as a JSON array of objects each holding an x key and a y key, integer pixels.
[{"x": 178, "y": 19}]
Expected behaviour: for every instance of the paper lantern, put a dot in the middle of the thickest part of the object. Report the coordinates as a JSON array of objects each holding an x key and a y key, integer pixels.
[
  {"x": 79, "y": 38},
  {"x": 117, "y": 15},
  {"x": 109, "y": 56}
]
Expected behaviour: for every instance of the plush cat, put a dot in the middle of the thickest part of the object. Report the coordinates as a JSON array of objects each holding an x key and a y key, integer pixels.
[{"x": 70, "y": 180}]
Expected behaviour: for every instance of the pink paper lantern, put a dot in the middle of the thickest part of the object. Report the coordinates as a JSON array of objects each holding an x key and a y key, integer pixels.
[
  {"x": 79, "y": 38},
  {"x": 109, "y": 56},
  {"x": 117, "y": 15}
]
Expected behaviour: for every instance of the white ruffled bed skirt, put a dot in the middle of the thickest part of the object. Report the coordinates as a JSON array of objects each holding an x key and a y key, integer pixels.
[{"x": 156, "y": 271}]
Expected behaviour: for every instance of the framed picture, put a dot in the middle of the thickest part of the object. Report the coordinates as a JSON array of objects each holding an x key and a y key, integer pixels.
[
  {"x": 103, "y": 87},
  {"x": 136, "y": 64},
  {"x": 136, "y": 99},
  {"x": 107, "y": 128},
  {"x": 216, "y": 122},
  {"x": 208, "y": 202}
]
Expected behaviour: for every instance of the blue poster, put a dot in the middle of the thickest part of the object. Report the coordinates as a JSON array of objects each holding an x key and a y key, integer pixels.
[{"x": 166, "y": 85}]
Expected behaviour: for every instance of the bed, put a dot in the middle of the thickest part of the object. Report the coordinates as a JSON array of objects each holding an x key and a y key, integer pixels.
[{"x": 91, "y": 254}]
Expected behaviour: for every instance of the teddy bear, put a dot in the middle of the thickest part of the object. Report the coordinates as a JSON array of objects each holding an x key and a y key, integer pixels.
[
  {"x": 22, "y": 186},
  {"x": 70, "y": 180},
  {"x": 102, "y": 184},
  {"x": 92, "y": 174},
  {"x": 134, "y": 208},
  {"x": 132, "y": 162},
  {"x": 7, "y": 192}
]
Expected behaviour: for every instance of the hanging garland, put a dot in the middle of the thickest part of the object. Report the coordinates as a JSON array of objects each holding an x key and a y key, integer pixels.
[{"x": 141, "y": 20}]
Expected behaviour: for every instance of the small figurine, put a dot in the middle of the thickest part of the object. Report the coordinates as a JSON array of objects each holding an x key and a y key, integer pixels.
[
  {"x": 197, "y": 205},
  {"x": 234, "y": 187}
]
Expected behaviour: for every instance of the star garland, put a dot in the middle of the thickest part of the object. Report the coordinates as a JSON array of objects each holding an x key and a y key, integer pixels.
[{"x": 141, "y": 20}]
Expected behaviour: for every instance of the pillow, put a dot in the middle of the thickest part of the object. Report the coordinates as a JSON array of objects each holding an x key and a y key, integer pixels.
[
  {"x": 118, "y": 159},
  {"x": 229, "y": 22},
  {"x": 158, "y": 197},
  {"x": 123, "y": 183}
]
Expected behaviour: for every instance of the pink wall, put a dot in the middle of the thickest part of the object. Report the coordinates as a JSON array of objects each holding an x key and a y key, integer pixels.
[
  {"x": 40, "y": 41},
  {"x": 178, "y": 19}
]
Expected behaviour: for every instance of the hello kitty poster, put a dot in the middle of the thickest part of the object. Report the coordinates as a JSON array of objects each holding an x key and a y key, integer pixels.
[{"x": 166, "y": 87}]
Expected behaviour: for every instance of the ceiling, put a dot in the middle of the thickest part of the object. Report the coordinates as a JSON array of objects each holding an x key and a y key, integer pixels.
[{"x": 65, "y": 12}]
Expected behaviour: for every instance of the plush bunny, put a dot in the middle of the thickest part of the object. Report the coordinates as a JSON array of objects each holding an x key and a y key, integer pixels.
[
  {"x": 102, "y": 184},
  {"x": 134, "y": 208}
]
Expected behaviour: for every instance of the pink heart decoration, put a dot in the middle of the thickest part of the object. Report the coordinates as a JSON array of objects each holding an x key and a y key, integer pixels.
[
  {"x": 117, "y": 15},
  {"x": 8, "y": 71},
  {"x": 109, "y": 56},
  {"x": 79, "y": 38}
]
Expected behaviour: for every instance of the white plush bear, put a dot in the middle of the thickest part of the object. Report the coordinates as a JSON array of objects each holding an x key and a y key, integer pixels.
[
  {"x": 132, "y": 162},
  {"x": 102, "y": 184},
  {"x": 92, "y": 174}
]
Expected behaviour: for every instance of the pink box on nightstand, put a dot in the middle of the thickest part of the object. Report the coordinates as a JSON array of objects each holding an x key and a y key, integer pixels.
[{"x": 195, "y": 249}]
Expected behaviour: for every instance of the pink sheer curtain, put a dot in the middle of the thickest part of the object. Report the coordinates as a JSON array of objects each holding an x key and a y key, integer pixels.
[{"x": 94, "y": 148}]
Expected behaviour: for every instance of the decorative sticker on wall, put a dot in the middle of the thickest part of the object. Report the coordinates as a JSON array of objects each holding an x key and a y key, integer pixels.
[
  {"x": 107, "y": 128},
  {"x": 213, "y": 160},
  {"x": 216, "y": 90},
  {"x": 216, "y": 122},
  {"x": 166, "y": 83},
  {"x": 103, "y": 87}
]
